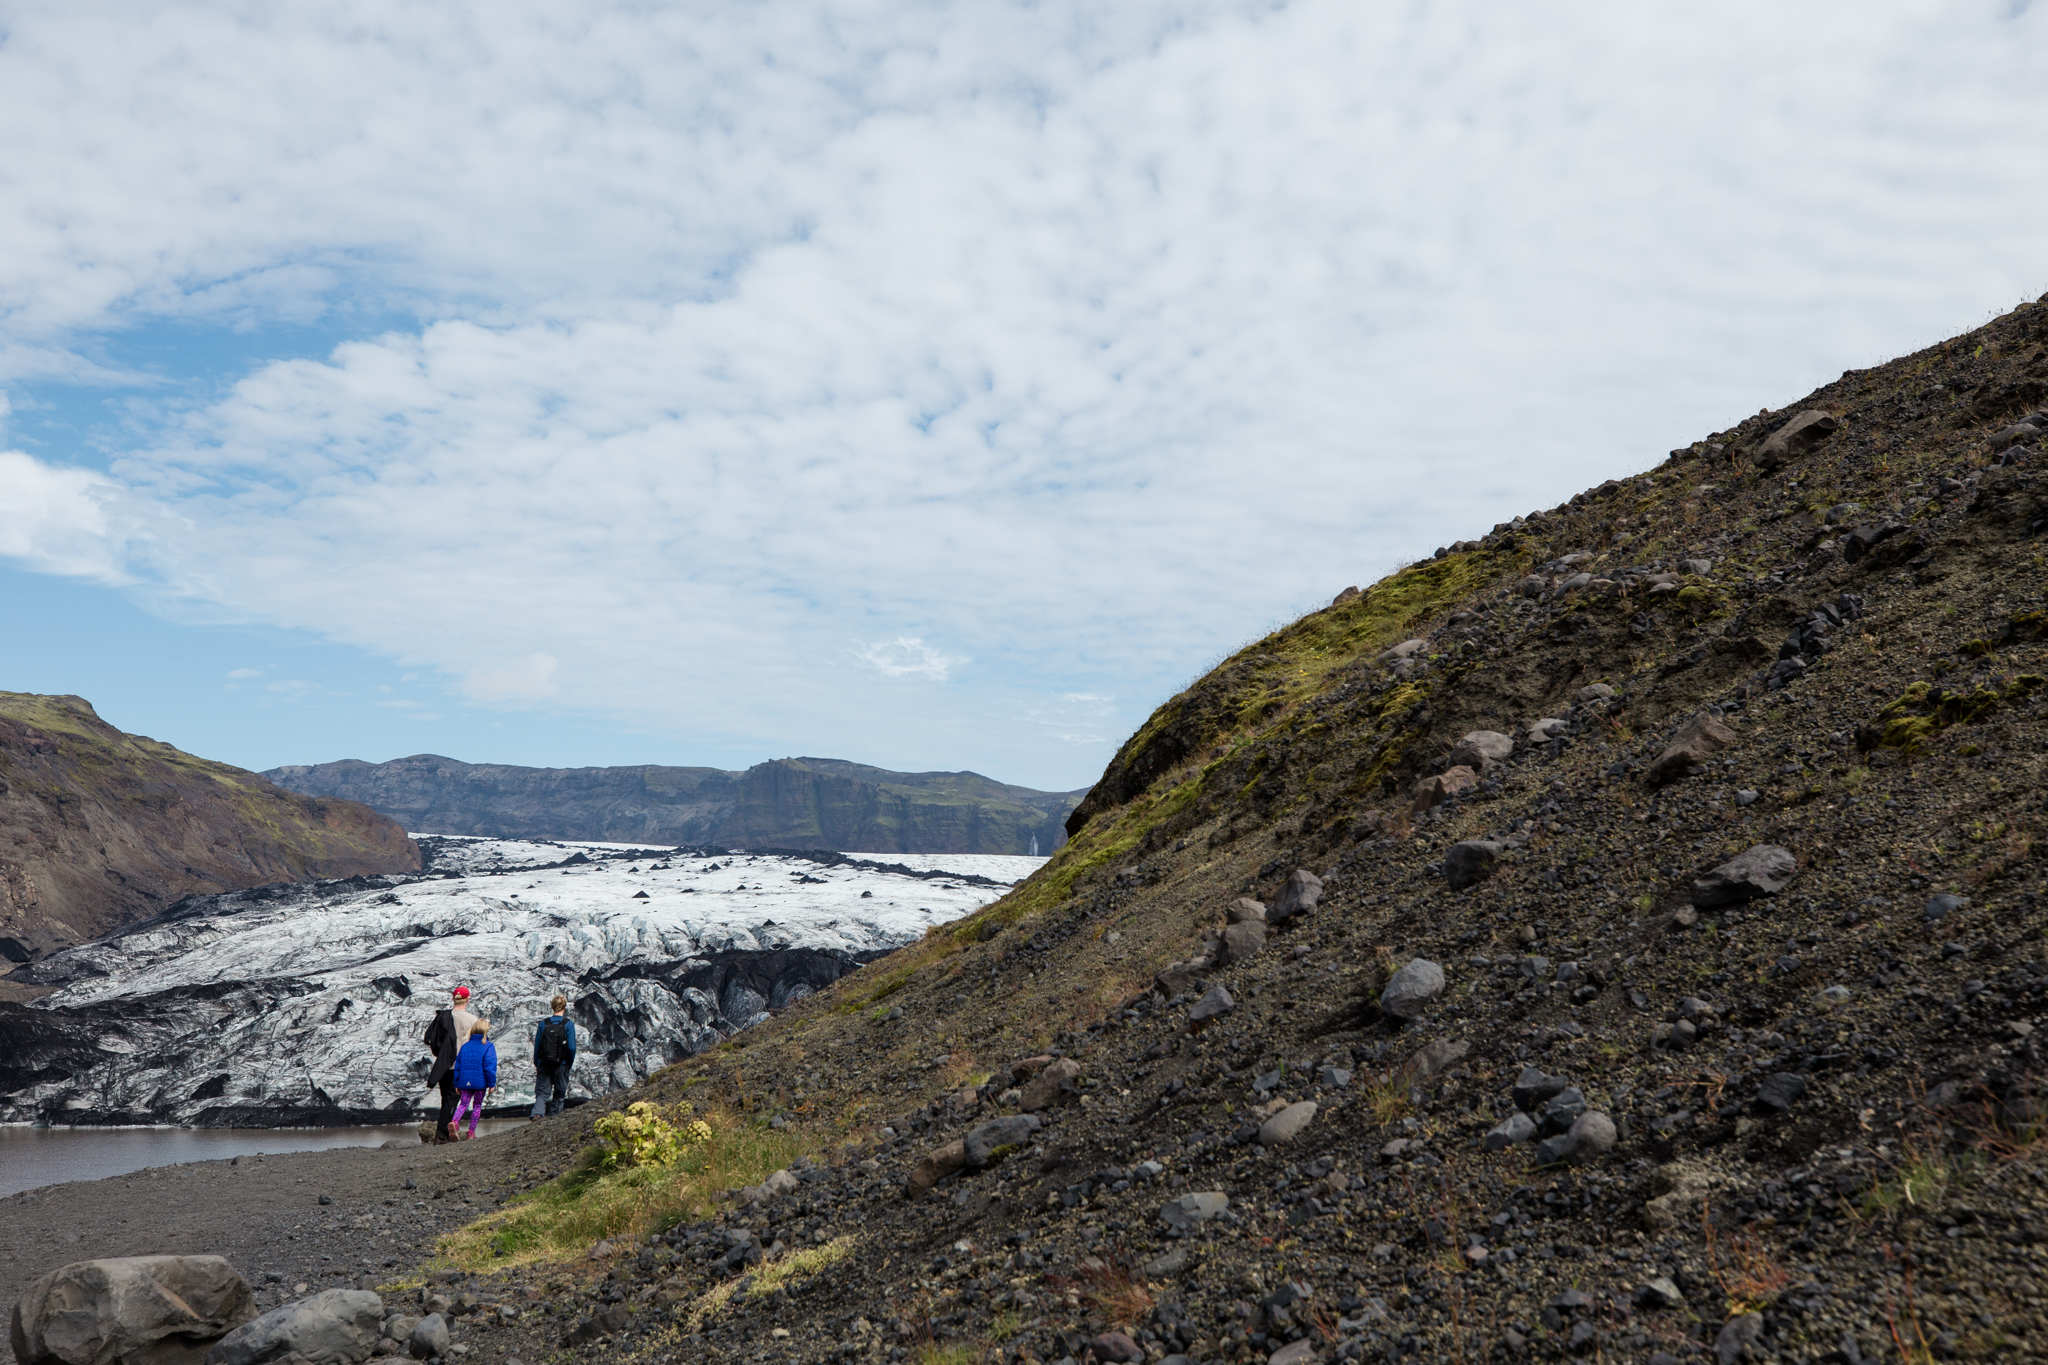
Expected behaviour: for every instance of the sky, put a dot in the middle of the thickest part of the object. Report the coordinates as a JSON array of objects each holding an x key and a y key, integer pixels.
[{"x": 933, "y": 385}]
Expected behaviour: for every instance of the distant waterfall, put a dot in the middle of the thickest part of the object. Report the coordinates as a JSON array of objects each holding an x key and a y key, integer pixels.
[{"x": 1034, "y": 845}]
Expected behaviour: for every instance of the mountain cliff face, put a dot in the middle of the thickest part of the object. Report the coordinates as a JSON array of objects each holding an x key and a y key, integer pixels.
[
  {"x": 99, "y": 829},
  {"x": 1620, "y": 936},
  {"x": 788, "y": 803}
]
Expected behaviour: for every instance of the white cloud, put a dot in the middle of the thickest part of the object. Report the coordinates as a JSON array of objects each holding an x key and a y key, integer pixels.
[
  {"x": 908, "y": 656},
  {"x": 1083, "y": 339},
  {"x": 526, "y": 679},
  {"x": 245, "y": 673}
]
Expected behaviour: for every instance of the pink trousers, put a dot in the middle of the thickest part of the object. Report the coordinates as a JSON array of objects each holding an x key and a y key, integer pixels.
[{"x": 470, "y": 1102}]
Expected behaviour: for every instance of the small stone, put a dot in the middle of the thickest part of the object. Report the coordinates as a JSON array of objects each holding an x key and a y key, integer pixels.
[
  {"x": 1554, "y": 1151},
  {"x": 1056, "y": 1081},
  {"x": 1412, "y": 988},
  {"x": 430, "y": 1338},
  {"x": 1301, "y": 1352},
  {"x": 1286, "y": 1125},
  {"x": 1762, "y": 870},
  {"x": 1593, "y": 692},
  {"x": 1698, "y": 739},
  {"x": 1659, "y": 1293},
  {"x": 1431, "y": 1061},
  {"x": 1299, "y": 896},
  {"x": 1243, "y": 940},
  {"x": 1738, "y": 1333},
  {"x": 327, "y": 1199},
  {"x": 1480, "y": 750},
  {"x": 1562, "y": 1111},
  {"x": 1470, "y": 862},
  {"x": 1684, "y": 917},
  {"x": 1116, "y": 1347},
  {"x": 1167, "y": 1266},
  {"x": 1939, "y": 907},
  {"x": 1683, "y": 1035},
  {"x": 1190, "y": 1209},
  {"x": 1746, "y": 798},
  {"x": 1243, "y": 909},
  {"x": 1776, "y": 1093},
  {"x": 1515, "y": 1129},
  {"x": 1533, "y": 1088},
  {"x": 938, "y": 1163},
  {"x": 1835, "y": 995},
  {"x": 1592, "y": 1137},
  {"x": 1434, "y": 791},
  {"x": 1335, "y": 1077},
  {"x": 1215, "y": 1001}
]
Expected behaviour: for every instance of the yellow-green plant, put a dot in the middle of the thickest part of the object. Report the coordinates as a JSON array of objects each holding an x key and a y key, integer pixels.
[{"x": 639, "y": 1135}]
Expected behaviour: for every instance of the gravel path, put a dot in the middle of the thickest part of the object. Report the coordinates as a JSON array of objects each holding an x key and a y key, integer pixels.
[{"x": 264, "y": 1213}]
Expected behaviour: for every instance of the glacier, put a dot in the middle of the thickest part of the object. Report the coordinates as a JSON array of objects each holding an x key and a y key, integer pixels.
[{"x": 304, "y": 1004}]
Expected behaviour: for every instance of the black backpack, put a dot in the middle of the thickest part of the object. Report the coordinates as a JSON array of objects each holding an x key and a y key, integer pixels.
[{"x": 553, "y": 1047}]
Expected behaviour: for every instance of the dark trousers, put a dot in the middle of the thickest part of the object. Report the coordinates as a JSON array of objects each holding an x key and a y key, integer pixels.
[
  {"x": 447, "y": 1107},
  {"x": 550, "y": 1088}
]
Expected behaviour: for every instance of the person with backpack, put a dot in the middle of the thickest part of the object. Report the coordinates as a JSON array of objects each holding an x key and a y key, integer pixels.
[
  {"x": 554, "y": 1052},
  {"x": 476, "y": 1076},
  {"x": 443, "y": 1038}
]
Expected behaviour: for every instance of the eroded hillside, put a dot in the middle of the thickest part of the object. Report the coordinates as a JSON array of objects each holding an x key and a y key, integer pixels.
[
  {"x": 99, "y": 829},
  {"x": 1394, "y": 997}
]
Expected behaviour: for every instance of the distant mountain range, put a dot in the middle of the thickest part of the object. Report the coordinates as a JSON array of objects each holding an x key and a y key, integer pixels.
[
  {"x": 790, "y": 803},
  {"x": 99, "y": 829}
]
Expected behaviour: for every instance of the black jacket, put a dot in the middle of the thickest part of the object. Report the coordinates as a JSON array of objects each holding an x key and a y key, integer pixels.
[{"x": 441, "y": 1041}]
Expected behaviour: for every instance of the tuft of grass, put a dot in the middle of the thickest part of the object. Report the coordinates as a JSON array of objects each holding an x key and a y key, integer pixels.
[
  {"x": 765, "y": 1279},
  {"x": 587, "y": 1204},
  {"x": 1753, "y": 1275}
]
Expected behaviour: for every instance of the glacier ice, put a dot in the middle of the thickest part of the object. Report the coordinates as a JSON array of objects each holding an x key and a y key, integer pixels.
[{"x": 304, "y": 1004}]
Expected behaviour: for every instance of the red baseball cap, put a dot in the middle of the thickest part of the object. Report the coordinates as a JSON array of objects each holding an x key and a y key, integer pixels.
[{"x": 462, "y": 992}]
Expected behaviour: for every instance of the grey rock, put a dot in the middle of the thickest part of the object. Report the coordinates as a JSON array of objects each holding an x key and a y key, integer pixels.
[
  {"x": 1738, "y": 1333},
  {"x": 1412, "y": 988},
  {"x": 1592, "y": 1137},
  {"x": 1431, "y": 1061},
  {"x": 1684, "y": 1034},
  {"x": 1480, "y": 750},
  {"x": 1684, "y": 917},
  {"x": 1297, "y": 897},
  {"x": 1533, "y": 1088},
  {"x": 1562, "y": 1111},
  {"x": 1533, "y": 586},
  {"x": 983, "y": 1139},
  {"x": 1470, "y": 862},
  {"x": 1171, "y": 1264},
  {"x": 1841, "y": 512},
  {"x": 1407, "y": 649},
  {"x": 334, "y": 1327},
  {"x": 1190, "y": 1209},
  {"x": 1511, "y": 1131},
  {"x": 1759, "y": 871},
  {"x": 1746, "y": 797},
  {"x": 1301, "y": 1352},
  {"x": 1554, "y": 1151},
  {"x": 1939, "y": 907},
  {"x": 1242, "y": 941},
  {"x": 1866, "y": 538},
  {"x": 1434, "y": 791},
  {"x": 1116, "y": 1347},
  {"x": 1335, "y": 1077},
  {"x": 1659, "y": 1293},
  {"x": 1215, "y": 1001},
  {"x": 430, "y": 1338},
  {"x": 1776, "y": 1093},
  {"x": 151, "y": 1310},
  {"x": 1698, "y": 567},
  {"x": 1286, "y": 1125},
  {"x": 1547, "y": 727},
  {"x": 1593, "y": 692},
  {"x": 937, "y": 1164},
  {"x": 1244, "y": 908}
]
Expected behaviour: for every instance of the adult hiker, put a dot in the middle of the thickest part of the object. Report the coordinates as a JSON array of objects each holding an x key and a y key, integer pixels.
[
  {"x": 445, "y": 1036},
  {"x": 554, "y": 1052}
]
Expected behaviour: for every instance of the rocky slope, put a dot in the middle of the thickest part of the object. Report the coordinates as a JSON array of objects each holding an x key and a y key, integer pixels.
[
  {"x": 99, "y": 829},
  {"x": 1502, "y": 1060},
  {"x": 788, "y": 803},
  {"x": 303, "y": 1005}
]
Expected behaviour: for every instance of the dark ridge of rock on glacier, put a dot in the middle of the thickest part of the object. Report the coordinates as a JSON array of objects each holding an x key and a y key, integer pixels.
[
  {"x": 103, "y": 828},
  {"x": 787, "y": 803}
]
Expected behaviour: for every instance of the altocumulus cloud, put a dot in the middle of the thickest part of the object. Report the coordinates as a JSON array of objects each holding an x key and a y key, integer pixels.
[{"x": 1038, "y": 350}]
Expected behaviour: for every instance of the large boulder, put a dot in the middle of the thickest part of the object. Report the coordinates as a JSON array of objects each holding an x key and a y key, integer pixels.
[
  {"x": 1412, "y": 988},
  {"x": 1480, "y": 750},
  {"x": 1699, "y": 737},
  {"x": 1299, "y": 896},
  {"x": 1796, "y": 437},
  {"x": 1470, "y": 862},
  {"x": 136, "y": 1310},
  {"x": 938, "y": 1163},
  {"x": 1759, "y": 871},
  {"x": 334, "y": 1327},
  {"x": 1242, "y": 941}
]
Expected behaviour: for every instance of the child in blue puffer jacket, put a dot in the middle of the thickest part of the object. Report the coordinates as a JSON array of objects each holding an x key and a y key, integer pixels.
[{"x": 476, "y": 1075}]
